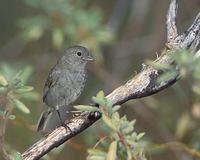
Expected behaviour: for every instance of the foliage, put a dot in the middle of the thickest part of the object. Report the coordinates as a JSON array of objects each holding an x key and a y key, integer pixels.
[
  {"x": 188, "y": 67},
  {"x": 13, "y": 88},
  {"x": 67, "y": 22},
  {"x": 185, "y": 64},
  {"x": 13, "y": 154},
  {"x": 122, "y": 142}
]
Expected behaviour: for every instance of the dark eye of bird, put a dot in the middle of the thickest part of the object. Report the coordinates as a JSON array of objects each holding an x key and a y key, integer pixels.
[{"x": 79, "y": 54}]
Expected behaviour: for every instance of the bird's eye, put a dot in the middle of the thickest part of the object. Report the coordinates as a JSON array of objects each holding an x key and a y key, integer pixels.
[{"x": 79, "y": 54}]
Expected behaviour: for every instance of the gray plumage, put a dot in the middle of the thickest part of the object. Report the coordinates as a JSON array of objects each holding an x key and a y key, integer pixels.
[{"x": 66, "y": 81}]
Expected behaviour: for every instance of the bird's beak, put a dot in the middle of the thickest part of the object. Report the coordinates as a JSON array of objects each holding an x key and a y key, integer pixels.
[{"x": 89, "y": 58}]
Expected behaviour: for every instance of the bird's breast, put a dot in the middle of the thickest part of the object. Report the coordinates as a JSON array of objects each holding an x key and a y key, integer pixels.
[{"x": 75, "y": 82}]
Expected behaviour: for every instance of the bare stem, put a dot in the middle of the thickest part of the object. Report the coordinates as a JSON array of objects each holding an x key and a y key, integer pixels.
[
  {"x": 171, "y": 22},
  {"x": 175, "y": 145},
  {"x": 2, "y": 138}
]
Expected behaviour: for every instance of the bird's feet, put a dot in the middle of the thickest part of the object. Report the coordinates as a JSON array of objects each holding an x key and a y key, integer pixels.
[{"x": 66, "y": 127}]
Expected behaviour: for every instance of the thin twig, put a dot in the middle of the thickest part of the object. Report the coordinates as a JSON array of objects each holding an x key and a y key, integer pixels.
[
  {"x": 175, "y": 145},
  {"x": 171, "y": 22},
  {"x": 190, "y": 36},
  {"x": 3, "y": 125},
  {"x": 2, "y": 139}
]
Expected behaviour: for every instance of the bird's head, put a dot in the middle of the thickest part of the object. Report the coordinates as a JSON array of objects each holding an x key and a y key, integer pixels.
[{"x": 76, "y": 55}]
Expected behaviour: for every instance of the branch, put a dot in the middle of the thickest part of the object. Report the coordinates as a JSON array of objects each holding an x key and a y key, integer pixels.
[
  {"x": 191, "y": 36},
  {"x": 171, "y": 22},
  {"x": 60, "y": 135},
  {"x": 176, "y": 145},
  {"x": 143, "y": 84},
  {"x": 3, "y": 125}
]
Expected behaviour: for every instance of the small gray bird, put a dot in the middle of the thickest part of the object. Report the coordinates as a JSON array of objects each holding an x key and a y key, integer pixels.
[{"x": 65, "y": 82}]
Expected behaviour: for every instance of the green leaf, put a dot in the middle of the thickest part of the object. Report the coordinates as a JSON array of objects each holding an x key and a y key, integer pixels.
[
  {"x": 20, "y": 106},
  {"x": 34, "y": 32},
  {"x": 105, "y": 35},
  {"x": 134, "y": 135},
  {"x": 99, "y": 101},
  {"x": 16, "y": 156},
  {"x": 7, "y": 71},
  {"x": 183, "y": 57},
  {"x": 166, "y": 76},
  {"x": 112, "y": 151},
  {"x": 158, "y": 65},
  {"x": 109, "y": 103},
  {"x": 116, "y": 108},
  {"x": 183, "y": 124},
  {"x": 140, "y": 135},
  {"x": 116, "y": 117},
  {"x": 100, "y": 94},
  {"x": 86, "y": 108},
  {"x": 108, "y": 122},
  {"x": 129, "y": 154},
  {"x": 24, "y": 89},
  {"x": 16, "y": 80},
  {"x": 127, "y": 128},
  {"x": 133, "y": 122},
  {"x": 94, "y": 157},
  {"x": 3, "y": 81},
  {"x": 2, "y": 113},
  {"x": 124, "y": 118},
  {"x": 3, "y": 90},
  {"x": 33, "y": 96},
  {"x": 131, "y": 141},
  {"x": 196, "y": 88},
  {"x": 12, "y": 117},
  {"x": 107, "y": 109},
  {"x": 26, "y": 73},
  {"x": 96, "y": 152}
]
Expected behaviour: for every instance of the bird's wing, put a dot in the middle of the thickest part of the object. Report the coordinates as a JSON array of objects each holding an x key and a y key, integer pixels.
[{"x": 50, "y": 82}]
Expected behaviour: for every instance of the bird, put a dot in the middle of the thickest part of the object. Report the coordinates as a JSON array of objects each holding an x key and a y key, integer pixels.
[{"x": 65, "y": 82}]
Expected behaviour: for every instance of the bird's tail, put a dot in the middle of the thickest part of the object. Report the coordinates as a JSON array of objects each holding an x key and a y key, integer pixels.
[{"x": 44, "y": 118}]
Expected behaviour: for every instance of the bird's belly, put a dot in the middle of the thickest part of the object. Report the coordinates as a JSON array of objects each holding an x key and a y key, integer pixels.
[{"x": 68, "y": 90}]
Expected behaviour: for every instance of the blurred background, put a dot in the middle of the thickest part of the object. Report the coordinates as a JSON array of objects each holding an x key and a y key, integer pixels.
[{"x": 121, "y": 34}]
